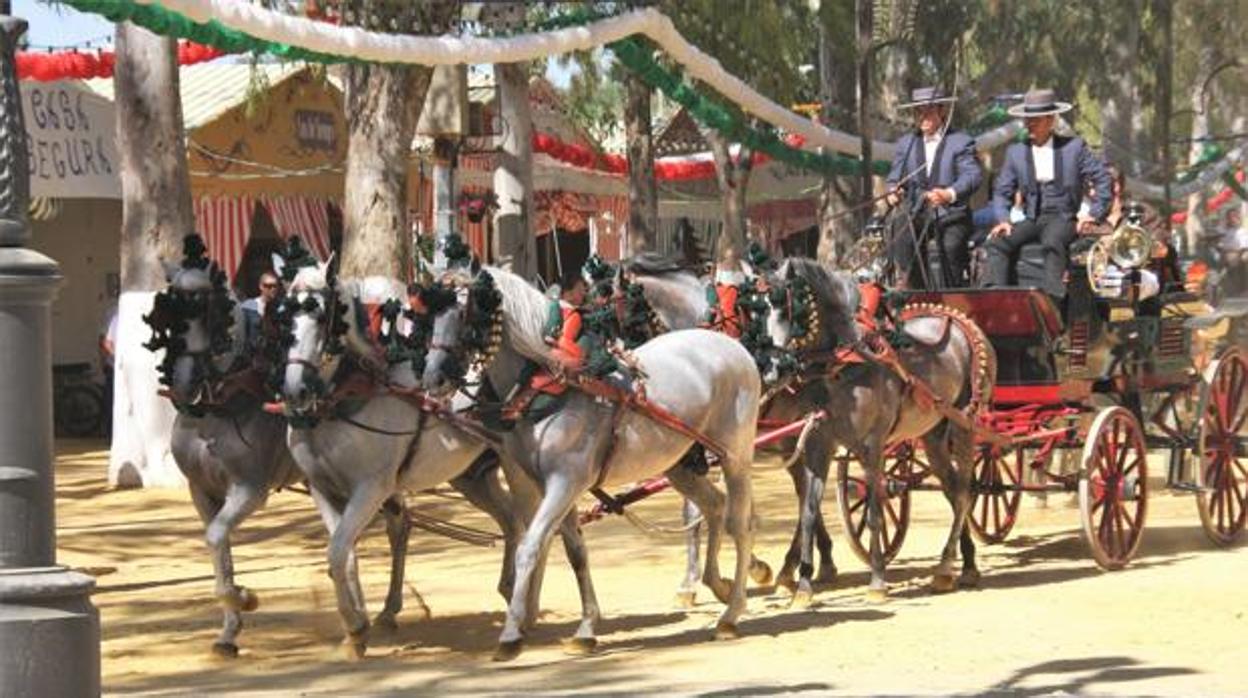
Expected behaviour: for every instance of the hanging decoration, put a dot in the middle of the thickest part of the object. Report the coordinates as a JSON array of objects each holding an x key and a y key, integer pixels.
[
  {"x": 84, "y": 65},
  {"x": 235, "y": 26},
  {"x": 680, "y": 168}
]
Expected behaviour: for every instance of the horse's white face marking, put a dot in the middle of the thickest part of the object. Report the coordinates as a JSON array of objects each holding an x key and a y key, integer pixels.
[
  {"x": 309, "y": 290},
  {"x": 447, "y": 335}
]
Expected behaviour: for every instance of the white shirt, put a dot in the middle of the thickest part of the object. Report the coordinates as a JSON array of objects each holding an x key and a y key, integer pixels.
[
  {"x": 930, "y": 144},
  {"x": 1043, "y": 157}
]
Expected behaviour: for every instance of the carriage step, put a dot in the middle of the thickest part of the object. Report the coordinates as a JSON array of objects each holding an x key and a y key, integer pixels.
[{"x": 1189, "y": 487}]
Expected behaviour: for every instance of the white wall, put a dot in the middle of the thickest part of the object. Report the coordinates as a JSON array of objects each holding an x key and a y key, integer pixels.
[{"x": 85, "y": 239}]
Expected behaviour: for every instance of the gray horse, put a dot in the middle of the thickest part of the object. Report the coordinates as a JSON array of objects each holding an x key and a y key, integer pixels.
[
  {"x": 679, "y": 298},
  {"x": 389, "y": 443},
  {"x": 231, "y": 452},
  {"x": 705, "y": 379},
  {"x": 875, "y": 408}
]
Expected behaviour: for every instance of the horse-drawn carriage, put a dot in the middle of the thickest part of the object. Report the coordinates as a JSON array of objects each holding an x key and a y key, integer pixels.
[{"x": 1104, "y": 387}]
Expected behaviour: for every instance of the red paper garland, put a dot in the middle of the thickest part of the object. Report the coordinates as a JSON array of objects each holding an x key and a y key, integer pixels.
[
  {"x": 82, "y": 65},
  {"x": 675, "y": 169},
  {"x": 1215, "y": 202}
]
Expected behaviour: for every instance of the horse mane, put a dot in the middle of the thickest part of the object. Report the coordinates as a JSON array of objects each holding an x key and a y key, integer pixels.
[
  {"x": 524, "y": 315},
  {"x": 837, "y": 296}
]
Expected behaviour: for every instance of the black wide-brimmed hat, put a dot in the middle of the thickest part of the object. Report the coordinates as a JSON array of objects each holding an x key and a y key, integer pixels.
[
  {"x": 925, "y": 96},
  {"x": 1039, "y": 103}
]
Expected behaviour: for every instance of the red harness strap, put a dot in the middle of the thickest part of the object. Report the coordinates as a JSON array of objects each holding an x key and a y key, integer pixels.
[{"x": 637, "y": 402}]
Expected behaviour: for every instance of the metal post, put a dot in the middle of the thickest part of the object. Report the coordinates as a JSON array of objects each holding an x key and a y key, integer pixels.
[
  {"x": 445, "y": 155},
  {"x": 49, "y": 631}
]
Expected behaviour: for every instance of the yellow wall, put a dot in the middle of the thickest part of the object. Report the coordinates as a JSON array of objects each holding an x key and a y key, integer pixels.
[{"x": 267, "y": 131}]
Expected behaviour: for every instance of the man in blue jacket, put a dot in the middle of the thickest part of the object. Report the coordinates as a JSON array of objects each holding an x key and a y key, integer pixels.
[
  {"x": 1052, "y": 172},
  {"x": 934, "y": 173}
]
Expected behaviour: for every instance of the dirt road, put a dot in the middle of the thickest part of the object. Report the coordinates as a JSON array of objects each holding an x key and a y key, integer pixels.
[{"x": 1045, "y": 620}]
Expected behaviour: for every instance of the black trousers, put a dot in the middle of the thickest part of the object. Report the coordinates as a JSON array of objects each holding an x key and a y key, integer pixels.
[
  {"x": 1053, "y": 232},
  {"x": 953, "y": 234}
]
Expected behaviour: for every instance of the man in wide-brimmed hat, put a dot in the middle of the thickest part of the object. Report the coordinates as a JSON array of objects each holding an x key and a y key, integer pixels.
[
  {"x": 934, "y": 172},
  {"x": 1052, "y": 173}
]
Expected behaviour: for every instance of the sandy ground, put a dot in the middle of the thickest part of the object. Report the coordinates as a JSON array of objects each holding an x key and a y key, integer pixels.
[{"x": 1044, "y": 621}]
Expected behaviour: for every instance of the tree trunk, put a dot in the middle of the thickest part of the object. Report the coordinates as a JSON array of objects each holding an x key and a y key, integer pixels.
[
  {"x": 383, "y": 104},
  {"x": 643, "y": 198},
  {"x": 513, "y": 178},
  {"x": 1200, "y": 103},
  {"x": 866, "y": 51},
  {"x": 733, "y": 178},
  {"x": 837, "y": 233},
  {"x": 156, "y": 214},
  {"x": 1118, "y": 115}
]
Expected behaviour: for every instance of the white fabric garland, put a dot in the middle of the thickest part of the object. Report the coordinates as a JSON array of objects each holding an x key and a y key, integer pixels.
[{"x": 448, "y": 50}]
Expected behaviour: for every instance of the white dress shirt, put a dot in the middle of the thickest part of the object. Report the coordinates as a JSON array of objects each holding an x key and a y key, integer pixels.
[
  {"x": 930, "y": 144},
  {"x": 1043, "y": 157}
]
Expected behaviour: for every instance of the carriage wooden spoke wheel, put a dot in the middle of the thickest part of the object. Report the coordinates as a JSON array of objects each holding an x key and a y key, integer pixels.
[
  {"x": 1113, "y": 487},
  {"x": 903, "y": 468},
  {"x": 1222, "y": 463},
  {"x": 996, "y": 487}
]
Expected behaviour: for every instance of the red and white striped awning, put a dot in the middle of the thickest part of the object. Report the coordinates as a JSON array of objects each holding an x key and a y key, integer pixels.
[
  {"x": 303, "y": 216},
  {"x": 225, "y": 225}
]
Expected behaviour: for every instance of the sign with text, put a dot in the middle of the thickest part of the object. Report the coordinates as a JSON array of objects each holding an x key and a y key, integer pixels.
[
  {"x": 315, "y": 130},
  {"x": 71, "y": 141}
]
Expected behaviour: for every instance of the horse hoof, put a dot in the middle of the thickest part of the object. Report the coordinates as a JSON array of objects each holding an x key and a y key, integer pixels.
[
  {"x": 826, "y": 575},
  {"x": 507, "y": 651},
  {"x": 386, "y": 622},
  {"x": 877, "y": 595},
  {"x": 787, "y": 582},
  {"x": 225, "y": 650},
  {"x": 686, "y": 599},
  {"x": 580, "y": 646},
  {"x": 248, "y": 600},
  {"x": 760, "y": 572},
  {"x": 969, "y": 579},
  {"x": 802, "y": 599},
  {"x": 353, "y": 650},
  {"x": 726, "y": 631},
  {"x": 944, "y": 584}
]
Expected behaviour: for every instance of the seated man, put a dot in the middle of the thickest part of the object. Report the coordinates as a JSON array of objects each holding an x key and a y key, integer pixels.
[
  {"x": 1051, "y": 172},
  {"x": 935, "y": 172}
]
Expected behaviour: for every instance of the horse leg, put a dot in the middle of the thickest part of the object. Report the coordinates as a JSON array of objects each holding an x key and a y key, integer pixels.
[
  {"x": 793, "y": 558},
  {"x": 558, "y": 499},
  {"x": 585, "y": 640},
  {"x": 690, "y": 516},
  {"x": 873, "y": 465},
  {"x": 710, "y": 501},
  {"x": 526, "y": 496},
  {"x": 739, "y": 524},
  {"x": 227, "y": 594},
  {"x": 936, "y": 446},
  {"x": 823, "y": 540},
  {"x": 481, "y": 487},
  {"x": 398, "y": 531},
  {"x": 963, "y": 443},
  {"x": 355, "y": 517},
  {"x": 816, "y": 459}
]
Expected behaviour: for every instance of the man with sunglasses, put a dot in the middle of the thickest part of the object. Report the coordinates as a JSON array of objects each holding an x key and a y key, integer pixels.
[
  {"x": 935, "y": 171},
  {"x": 253, "y": 308}
]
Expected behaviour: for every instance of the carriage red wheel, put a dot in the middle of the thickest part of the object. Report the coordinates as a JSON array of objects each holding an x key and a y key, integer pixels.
[
  {"x": 902, "y": 466},
  {"x": 1222, "y": 465},
  {"x": 998, "y": 476},
  {"x": 1113, "y": 487}
]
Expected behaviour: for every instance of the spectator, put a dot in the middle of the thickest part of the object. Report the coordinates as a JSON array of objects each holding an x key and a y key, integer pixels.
[{"x": 253, "y": 308}]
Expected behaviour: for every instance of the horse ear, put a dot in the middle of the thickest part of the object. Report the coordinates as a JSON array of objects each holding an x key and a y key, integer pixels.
[
  {"x": 475, "y": 266},
  {"x": 171, "y": 269},
  {"x": 279, "y": 264},
  {"x": 788, "y": 272}
]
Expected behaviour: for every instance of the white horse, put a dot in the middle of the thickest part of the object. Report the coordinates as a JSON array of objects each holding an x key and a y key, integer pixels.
[
  {"x": 379, "y": 444},
  {"x": 705, "y": 379},
  {"x": 231, "y": 452}
]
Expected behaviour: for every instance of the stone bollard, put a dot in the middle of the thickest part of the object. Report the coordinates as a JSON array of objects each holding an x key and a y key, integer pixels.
[{"x": 49, "y": 630}]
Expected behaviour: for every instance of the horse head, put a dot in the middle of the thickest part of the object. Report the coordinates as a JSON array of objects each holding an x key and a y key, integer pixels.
[
  {"x": 312, "y": 321},
  {"x": 196, "y": 321},
  {"x": 810, "y": 308},
  {"x": 466, "y": 333}
]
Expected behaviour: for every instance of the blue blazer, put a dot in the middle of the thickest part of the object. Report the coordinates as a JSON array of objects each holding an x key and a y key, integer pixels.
[
  {"x": 956, "y": 168},
  {"x": 1074, "y": 166}
]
